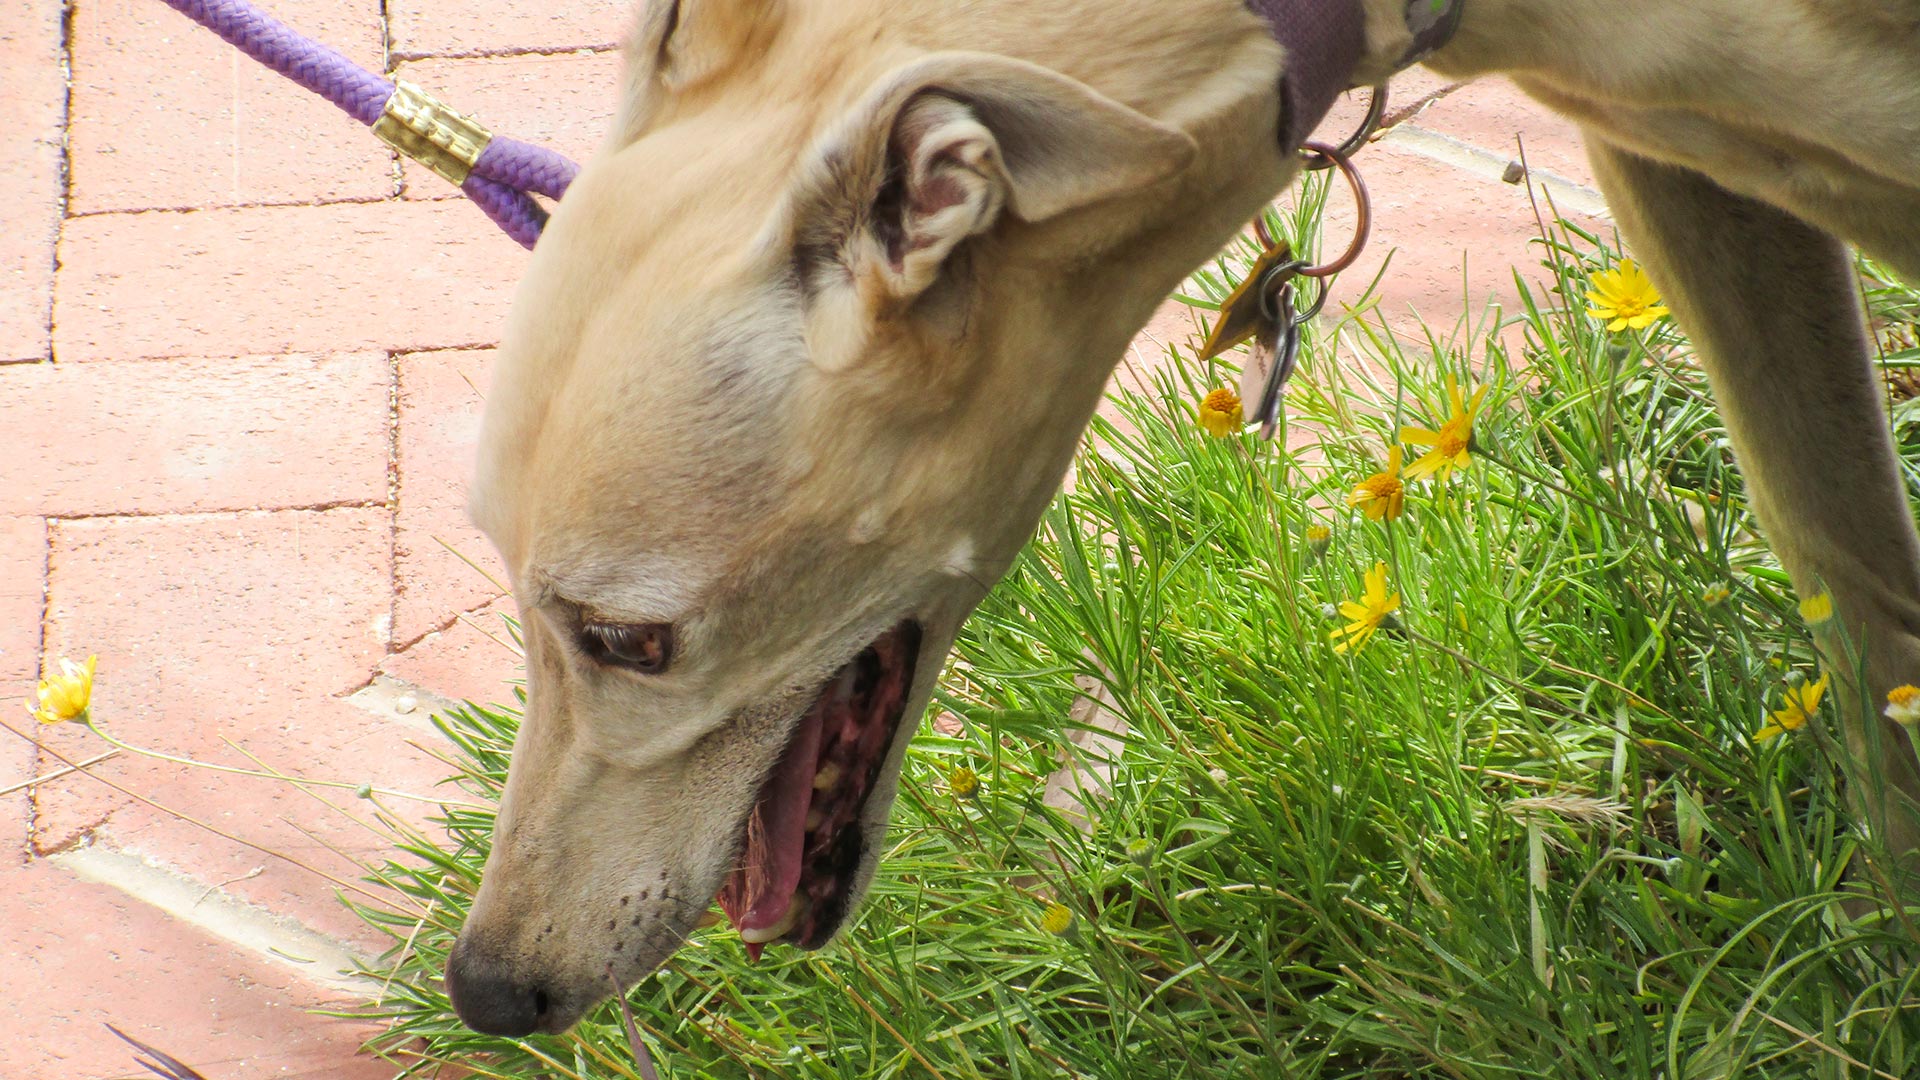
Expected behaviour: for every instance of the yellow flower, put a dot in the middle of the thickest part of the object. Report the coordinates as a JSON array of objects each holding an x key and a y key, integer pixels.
[
  {"x": 963, "y": 782},
  {"x": 1384, "y": 494},
  {"x": 1318, "y": 537},
  {"x": 1056, "y": 920},
  {"x": 1367, "y": 613},
  {"x": 1817, "y": 609},
  {"x": 1452, "y": 443},
  {"x": 67, "y": 695},
  {"x": 1903, "y": 705},
  {"x": 1625, "y": 297},
  {"x": 1715, "y": 595},
  {"x": 1220, "y": 413},
  {"x": 1802, "y": 702}
]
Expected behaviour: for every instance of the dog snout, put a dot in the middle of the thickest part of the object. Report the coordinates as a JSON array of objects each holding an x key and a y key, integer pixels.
[{"x": 491, "y": 997}]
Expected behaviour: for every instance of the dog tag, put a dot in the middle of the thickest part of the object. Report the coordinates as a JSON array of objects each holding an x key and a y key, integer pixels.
[
  {"x": 1245, "y": 313},
  {"x": 1270, "y": 363}
]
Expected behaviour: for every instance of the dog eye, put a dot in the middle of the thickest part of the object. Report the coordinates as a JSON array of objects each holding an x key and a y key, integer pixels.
[{"x": 647, "y": 649}]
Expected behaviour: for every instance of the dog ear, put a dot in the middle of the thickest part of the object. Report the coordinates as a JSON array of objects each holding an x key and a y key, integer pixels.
[
  {"x": 950, "y": 145},
  {"x": 699, "y": 39},
  {"x": 680, "y": 44}
]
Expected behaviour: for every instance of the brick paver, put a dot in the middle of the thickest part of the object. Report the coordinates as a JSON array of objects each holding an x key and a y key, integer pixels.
[
  {"x": 269, "y": 354},
  {"x": 390, "y": 275},
  {"x": 22, "y": 602},
  {"x": 78, "y": 956},
  {"x": 463, "y": 28},
  {"x": 472, "y": 659},
  {"x": 249, "y": 628},
  {"x": 204, "y": 434},
  {"x": 441, "y": 395},
  {"x": 1467, "y": 259},
  {"x": 23, "y": 584},
  {"x": 33, "y": 102},
  {"x": 167, "y": 115}
]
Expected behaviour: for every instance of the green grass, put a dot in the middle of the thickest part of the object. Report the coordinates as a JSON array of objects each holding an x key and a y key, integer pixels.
[{"x": 1526, "y": 833}]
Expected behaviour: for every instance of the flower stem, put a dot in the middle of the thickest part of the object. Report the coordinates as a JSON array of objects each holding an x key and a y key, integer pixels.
[{"x": 298, "y": 781}]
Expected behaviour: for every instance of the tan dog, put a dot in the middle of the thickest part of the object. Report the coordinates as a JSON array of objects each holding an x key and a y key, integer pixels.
[{"x": 807, "y": 350}]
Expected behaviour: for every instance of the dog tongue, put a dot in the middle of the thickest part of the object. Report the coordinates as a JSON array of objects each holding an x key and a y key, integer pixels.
[{"x": 774, "y": 850}]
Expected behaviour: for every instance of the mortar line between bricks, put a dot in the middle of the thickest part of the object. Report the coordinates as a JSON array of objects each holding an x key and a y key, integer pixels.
[
  {"x": 443, "y": 626},
  {"x": 393, "y": 495},
  {"x": 386, "y": 37},
  {"x": 396, "y": 169},
  {"x": 209, "y": 515},
  {"x": 396, "y": 57},
  {"x": 268, "y": 356},
  {"x": 32, "y": 812},
  {"x": 269, "y": 204},
  {"x": 425, "y": 349},
  {"x": 65, "y": 196},
  {"x": 290, "y": 352}
]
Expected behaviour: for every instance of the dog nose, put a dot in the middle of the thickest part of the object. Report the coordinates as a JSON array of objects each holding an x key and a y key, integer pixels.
[{"x": 490, "y": 999}]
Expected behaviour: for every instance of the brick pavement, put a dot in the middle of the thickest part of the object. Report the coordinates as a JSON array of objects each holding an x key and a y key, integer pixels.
[{"x": 242, "y": 357}]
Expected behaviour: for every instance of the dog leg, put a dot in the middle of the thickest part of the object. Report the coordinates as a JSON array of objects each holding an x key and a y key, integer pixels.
[{"x": 1770, "y": 303}]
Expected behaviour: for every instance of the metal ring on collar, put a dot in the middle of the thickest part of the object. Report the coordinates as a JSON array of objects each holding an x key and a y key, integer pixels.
[
  {"x": 1273, "y": 285},
  {"x": 1376, "y": 110},
  {"x": 1363, "y": 212}
]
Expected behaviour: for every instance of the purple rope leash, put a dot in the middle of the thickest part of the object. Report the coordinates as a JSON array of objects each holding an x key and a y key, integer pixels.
[{"x": 499, "y": 181}]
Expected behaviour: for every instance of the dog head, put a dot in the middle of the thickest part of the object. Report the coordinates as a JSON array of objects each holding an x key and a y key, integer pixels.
[{"x": 796, "y": 367}]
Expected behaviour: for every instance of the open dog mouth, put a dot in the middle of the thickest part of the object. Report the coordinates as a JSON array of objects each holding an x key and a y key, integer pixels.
[{"x": 794, "y": 878}]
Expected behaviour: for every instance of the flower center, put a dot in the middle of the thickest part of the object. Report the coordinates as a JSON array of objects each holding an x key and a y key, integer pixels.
[
  {"x": 1631, "y": 305},
  {"x": 1383, "y": 486}
]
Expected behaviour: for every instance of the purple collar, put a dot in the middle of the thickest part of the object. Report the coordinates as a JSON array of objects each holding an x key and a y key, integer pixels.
[{"x": 1326, "y": 40}]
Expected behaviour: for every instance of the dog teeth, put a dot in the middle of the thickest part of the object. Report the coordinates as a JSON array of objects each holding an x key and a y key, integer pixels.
[
  {"x": 815, "y": 819},
  {"x": 796, "y": 908},
  {"x": 827, "y": 778}
]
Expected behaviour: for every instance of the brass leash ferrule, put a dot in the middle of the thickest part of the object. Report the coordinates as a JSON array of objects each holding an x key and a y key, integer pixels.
[{"x": 423, "y": 128}]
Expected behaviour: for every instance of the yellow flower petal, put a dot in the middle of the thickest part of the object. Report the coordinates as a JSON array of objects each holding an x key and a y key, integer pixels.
[
  {"x": 1367, "y": 613},
  {"x": 1817, "y": 608},
  {"x": 1624, "y": 298},
  {"x": 963, "y": 782},
  {"x": 1903, "y": 705},
  {"x": 1384, "y": 493},
  {"x": 1806, "y": 697},
  {"x": 1219, "y": 413},
  {"x": 1452, "y": 443},
  {"x": 1057, "y": 919},
  {"x": 66, "y": 696},
  {"x": 1430, "y": 464}
]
